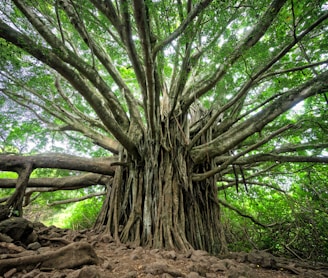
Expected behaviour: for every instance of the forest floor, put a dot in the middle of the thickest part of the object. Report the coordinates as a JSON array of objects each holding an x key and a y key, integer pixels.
[{"x": 60, "y": 253}]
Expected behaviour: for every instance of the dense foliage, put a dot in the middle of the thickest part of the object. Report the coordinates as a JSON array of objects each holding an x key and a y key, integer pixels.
[{"x": 296, "y": 219}]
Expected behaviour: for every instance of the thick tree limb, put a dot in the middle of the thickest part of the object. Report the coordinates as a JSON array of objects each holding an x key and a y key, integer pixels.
[
  {"x": 58, "y": 161},
  {"x": 281, "y": 159},
  {"x": 125, "y": 31},
  {"x": 142, "y": 21},
  {"x": 65, "y": 183},
  {"x": 108, "y": 9},
  {"x": 300, "y": 147}
]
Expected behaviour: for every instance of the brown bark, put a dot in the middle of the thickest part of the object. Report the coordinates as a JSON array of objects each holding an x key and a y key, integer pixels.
[
  {"x": 15, "y": 202},
  {"x": 65, "y": 183},
  {"x": 155, "y": 203},
  {"x": 59, "y": 161},
  {"x": 24, "y": 166}
]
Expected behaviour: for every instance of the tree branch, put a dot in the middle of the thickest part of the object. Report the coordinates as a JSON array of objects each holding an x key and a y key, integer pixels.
[
  {"x": 142, "y": 21},
  {"x": 65, "y": 183},
  {"x": 58, "y": 161},
  {"x": 299, "y": 68},
  {"x": 280, "y": 159},
  {"x": 232, "y": 183},
  {"x": 250, "y": 217},
  {"x": 192, "y": 14},
  {"x": 126, "y": 35},
  {"x": 15, "y": 202},
  {"x": 123, "y": 26},
  {"x": 294, "y": 148},
  {"x": 74, "y": 200}
]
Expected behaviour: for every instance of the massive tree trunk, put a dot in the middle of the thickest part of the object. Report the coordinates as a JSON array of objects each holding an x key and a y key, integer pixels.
[{"x": 154, "y": 202}]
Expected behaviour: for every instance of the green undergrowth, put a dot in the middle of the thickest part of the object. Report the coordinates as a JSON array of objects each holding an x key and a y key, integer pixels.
[
  {"x": 292, "y": 227},
  {"x": 76, "y": 216}
]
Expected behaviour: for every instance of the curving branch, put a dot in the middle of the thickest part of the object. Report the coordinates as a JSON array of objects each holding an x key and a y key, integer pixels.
[
  {"x": 15, "y": 201},
  {"x": 232, "y": 183},
  {"x": 74, "y": 200},
  {"x": 299, "y": 68},
  {"x": 243, "y": 214},
  {"x": 300, "y": 147}
]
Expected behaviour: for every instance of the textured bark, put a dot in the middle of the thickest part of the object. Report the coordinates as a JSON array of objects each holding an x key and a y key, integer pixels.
[
  {"x": 155, "y": 203},
  {"x": 58, "y": 161},
  {"x": 15, "y": 202},
  {"x": 65, "y": 183}
]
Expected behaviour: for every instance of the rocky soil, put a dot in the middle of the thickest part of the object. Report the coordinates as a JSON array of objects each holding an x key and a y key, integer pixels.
[{"x": 32, "y": 250}]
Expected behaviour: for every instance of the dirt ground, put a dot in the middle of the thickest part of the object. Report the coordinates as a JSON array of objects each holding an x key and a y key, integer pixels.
[{"x": 112, "y": 259}]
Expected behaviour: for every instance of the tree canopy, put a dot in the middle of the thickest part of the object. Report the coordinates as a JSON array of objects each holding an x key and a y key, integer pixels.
[{"x": 157, "y": 98}]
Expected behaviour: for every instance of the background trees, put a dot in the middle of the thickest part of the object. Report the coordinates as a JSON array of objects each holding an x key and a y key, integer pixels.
[{"x": 177, "y": 102}]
